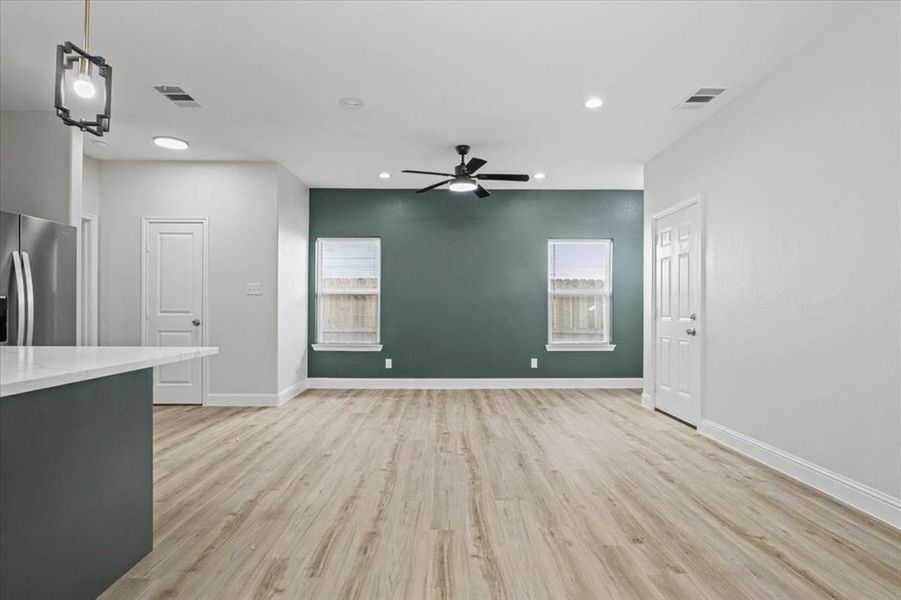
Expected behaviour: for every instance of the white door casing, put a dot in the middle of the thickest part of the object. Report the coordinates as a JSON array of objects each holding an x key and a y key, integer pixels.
[
  {"x": 90, "y": 260},
  {"x": 677, "y": 318},
  {"x": 174, "y": 303}
]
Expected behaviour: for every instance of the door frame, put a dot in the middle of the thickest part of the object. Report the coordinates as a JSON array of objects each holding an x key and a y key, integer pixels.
[
  {"x": 90, "y": 328},
  {"x": 649, "y": 396},
  {"x": 204, "y": 221}
]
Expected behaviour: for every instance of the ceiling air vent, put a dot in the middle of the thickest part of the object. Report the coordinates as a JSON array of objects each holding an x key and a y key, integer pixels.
[
  {"x": 178, "y": 96},
  {"x": 701, "y": 97}
]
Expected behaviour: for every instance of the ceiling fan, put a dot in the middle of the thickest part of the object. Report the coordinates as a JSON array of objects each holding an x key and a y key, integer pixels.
[{"x": 464, "y": 179}]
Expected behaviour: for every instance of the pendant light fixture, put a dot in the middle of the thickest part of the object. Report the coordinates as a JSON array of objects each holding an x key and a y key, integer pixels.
[{"x": 83, "y": 84}]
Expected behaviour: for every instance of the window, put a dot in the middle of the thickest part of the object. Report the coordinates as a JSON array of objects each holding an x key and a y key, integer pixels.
[
  {"x": 580, "y": 284},
  {"x": 348, "y": 294}
]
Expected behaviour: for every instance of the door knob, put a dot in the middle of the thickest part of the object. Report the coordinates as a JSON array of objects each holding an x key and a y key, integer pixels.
[
  {"x": 693, "y": 316},
  {"x": 691, "y": 331},
  {"x": 195, "y": 322}
]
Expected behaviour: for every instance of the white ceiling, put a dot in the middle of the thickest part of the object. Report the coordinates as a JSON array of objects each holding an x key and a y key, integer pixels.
[{"x": 507, "y": 77}]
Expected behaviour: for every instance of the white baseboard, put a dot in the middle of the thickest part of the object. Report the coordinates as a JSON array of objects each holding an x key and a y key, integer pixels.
[
  {"x": 241, "y": 400},
  {"x": 528, "y": 383},
  {"x": 292, "y": 390},
  {"x": 857, "y": 495},
  {"x": 257, "y": 399},
  {"x": 647, "y": 401}
]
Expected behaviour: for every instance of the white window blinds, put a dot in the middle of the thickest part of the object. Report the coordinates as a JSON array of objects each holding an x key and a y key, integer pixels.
[
  {"x": 579, "y": 289},
  {"x": 348, "y": 287}
]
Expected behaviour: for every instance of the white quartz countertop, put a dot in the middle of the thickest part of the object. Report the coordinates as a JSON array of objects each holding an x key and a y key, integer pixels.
[{"x": 29, "y": 368}]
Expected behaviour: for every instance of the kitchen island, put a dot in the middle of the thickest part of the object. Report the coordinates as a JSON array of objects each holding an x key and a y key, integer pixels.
[{"x": 76, "y": 465}]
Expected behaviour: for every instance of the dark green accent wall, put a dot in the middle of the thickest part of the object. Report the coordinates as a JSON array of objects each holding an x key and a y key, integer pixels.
[
  {"x": 76, "y": 486},
  {"x": 464, "y": 279}
]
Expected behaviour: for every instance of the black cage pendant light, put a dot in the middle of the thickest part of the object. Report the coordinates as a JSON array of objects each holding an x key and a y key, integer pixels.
[{"x": 83, "y": 84}]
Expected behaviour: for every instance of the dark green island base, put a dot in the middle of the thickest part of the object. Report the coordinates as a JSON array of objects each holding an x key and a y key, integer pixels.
[{"x": 76, "y": 477}]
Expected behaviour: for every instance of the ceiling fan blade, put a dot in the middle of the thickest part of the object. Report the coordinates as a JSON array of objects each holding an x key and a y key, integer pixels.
[
  {"x": 432, "y": 187},
  {"x": 502, "y": 177},
  {"x": 475, "y": 164},
  {"x": 481, "y": 192},
  {"x": 428, "y": 173}
]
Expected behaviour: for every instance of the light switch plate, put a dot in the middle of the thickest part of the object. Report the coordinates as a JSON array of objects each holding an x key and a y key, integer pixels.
[
  {"x": 388, "y": 363},
  {"x": 534, "y": 363},
  {"x": 253, "y": 289}
]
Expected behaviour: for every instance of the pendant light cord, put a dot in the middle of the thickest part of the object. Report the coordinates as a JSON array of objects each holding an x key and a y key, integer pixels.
[
  {"x": 85, "y": 64},
  {"x": 87, "y": 25}
]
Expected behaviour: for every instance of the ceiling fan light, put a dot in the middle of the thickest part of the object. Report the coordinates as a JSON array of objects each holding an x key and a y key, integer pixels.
[{"x": 462, "y": 185}]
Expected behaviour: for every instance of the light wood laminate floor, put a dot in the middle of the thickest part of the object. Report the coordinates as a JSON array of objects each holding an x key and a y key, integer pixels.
[{"x": 485, "y": 494}]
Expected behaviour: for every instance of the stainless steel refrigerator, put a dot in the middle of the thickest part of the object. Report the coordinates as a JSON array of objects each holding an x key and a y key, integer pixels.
[{"x": 37, "y": 282}]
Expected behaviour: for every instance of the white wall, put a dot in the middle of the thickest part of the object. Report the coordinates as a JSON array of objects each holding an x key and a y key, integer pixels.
[
  {"x": 240, "y": 201},
  {"x": 801, "y": 180},
  {"x": 36, "y": 170},
  {"x": 293, "y": 244}
]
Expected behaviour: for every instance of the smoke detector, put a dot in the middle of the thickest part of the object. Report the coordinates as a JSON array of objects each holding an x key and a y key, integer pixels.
[
  {"x": 178, "y": 96},
  {"x": 351, "y": 103},
  {"x": 701, "y": 98}
]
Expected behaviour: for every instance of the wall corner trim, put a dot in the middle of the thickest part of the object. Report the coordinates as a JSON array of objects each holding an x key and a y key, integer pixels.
[
  {"x": 847, "y": 491},
  {"x": 452, "y": 383},
  {"x": 647, "y": 401},
  {"x": 291, "y": 391}
]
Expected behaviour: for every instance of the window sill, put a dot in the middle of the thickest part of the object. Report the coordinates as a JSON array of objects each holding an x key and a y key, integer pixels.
[
  {"x": 347, "y": 347},
  {"x": 580, "y": 347}
]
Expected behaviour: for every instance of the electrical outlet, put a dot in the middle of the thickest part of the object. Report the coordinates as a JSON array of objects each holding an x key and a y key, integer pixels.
[
  {"x": 253, "y": 289},
  {"x": 534, "y": 363},
  {"x": 388, "y": 363}
]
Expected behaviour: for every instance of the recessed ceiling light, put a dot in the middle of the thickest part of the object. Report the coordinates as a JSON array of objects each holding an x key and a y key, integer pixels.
[
  {"x": 539, "y": 175},
  {"x": 351, "y": 103},
  {"x": 384, "y": 175},
  {"x": 99, "y": 143},
  {"x": 170, "y": 143},
  {"x": 594, "y": 102}
]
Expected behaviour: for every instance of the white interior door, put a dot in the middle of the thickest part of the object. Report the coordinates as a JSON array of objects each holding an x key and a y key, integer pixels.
[
  {"x": 174, "y": 305},
  {"x": 677, "y": 291}
]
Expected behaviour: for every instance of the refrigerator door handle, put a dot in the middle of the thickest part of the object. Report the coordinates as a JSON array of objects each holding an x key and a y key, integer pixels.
[
  {"x": 29, "y": 299},
  {"x": 20, "y": 299}
]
